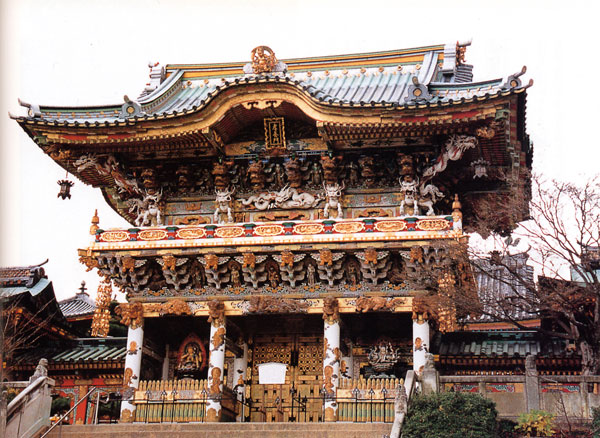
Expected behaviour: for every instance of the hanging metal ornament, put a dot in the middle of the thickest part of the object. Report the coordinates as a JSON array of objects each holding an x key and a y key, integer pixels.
[{"x": 65, "y": 187}]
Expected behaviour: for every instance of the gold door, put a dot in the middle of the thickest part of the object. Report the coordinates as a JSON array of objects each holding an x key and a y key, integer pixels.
[{"x": 304, "y": 357}]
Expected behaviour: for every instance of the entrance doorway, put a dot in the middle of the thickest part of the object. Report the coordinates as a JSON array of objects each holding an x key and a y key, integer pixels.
[{"x": 299, "y": 398}]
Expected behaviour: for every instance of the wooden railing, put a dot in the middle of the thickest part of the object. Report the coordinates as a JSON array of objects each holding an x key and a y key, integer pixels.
[
  {"x": 372, "y": 400},
  {"x": 175, "y": 401}
]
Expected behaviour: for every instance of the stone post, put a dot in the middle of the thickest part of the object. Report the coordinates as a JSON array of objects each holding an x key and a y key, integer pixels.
[
  {"x": 420, "y": 341},
  {"x": 532, "y": 383},
  {"x": 131, "y": 315},
  {"x": 331, "y": 356},
  {"x": 216, "y": 360}
]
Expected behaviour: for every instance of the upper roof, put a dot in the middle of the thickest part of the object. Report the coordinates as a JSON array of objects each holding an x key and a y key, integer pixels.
[
  {"x": 431, "y": 76},
  {"x": 19, "y": 279}
]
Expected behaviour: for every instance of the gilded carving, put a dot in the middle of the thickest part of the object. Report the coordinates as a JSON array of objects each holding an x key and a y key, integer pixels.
[
  {"x": 215, "y": 381},
  {"x": 249, "y": 260},
  {"x": 330, "y": 414},
  {"x": 212, "y": 415},
  {"x": 371, "y": 256},
  {"x": 89, "y": 262},
  {"x": 126, "y": 416},
  {"x": 212, "y": 261},
  {"x": 133, "y": 348},
  {"x": 216, "y": 313},
  {"x": 416, "y": 254},
  {"x": 331, "y": 308},
  {"x": 325, "y": 257},
  {"x": 263, "y": 59},
  {"x": 132, "y": 314},
  {"x": 328, "y": 380},
  {"x": 128, "y": 264},
  {"x": 287, "y": 259},
  {"x": 377, "y": 304},
  {"x": 128, "y": 376},
  {"x": 168, "y": 262},
  {"x": 266, "y": 304},
  {"x": 218, "y": 338}
]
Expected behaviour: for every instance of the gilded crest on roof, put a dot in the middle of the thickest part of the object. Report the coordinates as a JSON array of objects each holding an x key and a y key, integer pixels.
[{"x": 263, "y": 59}]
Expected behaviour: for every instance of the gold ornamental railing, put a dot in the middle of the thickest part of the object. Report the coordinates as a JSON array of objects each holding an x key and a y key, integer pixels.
[
  {"x": 176, "y": 401},
  {"x": 362, "y": 401}
]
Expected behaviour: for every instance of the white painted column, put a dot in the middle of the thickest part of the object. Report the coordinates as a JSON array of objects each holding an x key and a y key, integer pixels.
[
  {"x": 165, "y": 366},
  {"x": 133, "y": 363},
  {"x": 420, "y": 341},
  {"x": 240, "y": 367},
  {"x": 216, "y": 366},
  {"x": 331, "y": 361}
]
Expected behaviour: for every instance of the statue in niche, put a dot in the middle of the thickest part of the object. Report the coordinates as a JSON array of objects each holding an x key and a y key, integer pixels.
[
  {"x": 191, "y": 358},
  {"x": 279, "y": 176},
  {"x": 311, "y": 274},
  {"x": 235, "y": 276},
  {"x": 273, "y": 276},
  {"x": 315, "y": 175},
  {"x": 352, "y": 273}
]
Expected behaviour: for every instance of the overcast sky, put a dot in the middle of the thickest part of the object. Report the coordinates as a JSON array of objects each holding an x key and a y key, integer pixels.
[{"x": 80, "y": 52}]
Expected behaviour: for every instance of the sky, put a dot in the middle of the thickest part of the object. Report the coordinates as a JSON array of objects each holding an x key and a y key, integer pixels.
[{"x": 80, "y": 52}]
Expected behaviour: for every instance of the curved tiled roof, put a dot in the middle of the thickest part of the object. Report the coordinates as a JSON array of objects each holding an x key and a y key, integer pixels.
[
  {"x": 79, "y": 305},
  {"x": 429, "y": 76}
]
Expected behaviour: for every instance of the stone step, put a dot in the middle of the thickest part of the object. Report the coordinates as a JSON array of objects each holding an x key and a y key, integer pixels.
[{"x": 226, "y": 430}]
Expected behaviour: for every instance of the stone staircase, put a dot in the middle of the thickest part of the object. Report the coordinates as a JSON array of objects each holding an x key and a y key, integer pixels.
[{"x": 226, "y": 430}]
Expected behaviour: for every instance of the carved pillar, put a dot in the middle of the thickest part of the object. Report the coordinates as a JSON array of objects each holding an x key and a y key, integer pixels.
[
  {"x": 216, "y": 360},
  {"x": 420, "y": 341},
  {"x": 240, "y": 366},
  {"x": 331, "y": 356},
  {"x": 131, "y": 315}
]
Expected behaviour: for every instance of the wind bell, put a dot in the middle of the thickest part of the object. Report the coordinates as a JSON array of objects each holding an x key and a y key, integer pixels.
[{"x": 65, "y": 187}]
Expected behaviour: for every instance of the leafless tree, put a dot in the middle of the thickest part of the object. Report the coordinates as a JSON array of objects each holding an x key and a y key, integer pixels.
[
  {"x": 21, "y": 328},
  {"x": 563, "y": 241}
]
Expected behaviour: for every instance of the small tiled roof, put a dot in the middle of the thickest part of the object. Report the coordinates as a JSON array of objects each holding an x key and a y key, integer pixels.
[
  {"x": 507, "y": 344},
  {"x": 83, "y": 350},
  {"x": 21, "y": 276},
  {"x": 431, "y": 75},
  {"x": 79, "y": 305}
]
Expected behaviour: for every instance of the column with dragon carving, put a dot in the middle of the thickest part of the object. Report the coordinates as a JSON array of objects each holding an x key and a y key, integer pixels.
[
  {"x": 420, "y": 340},
  {"x": 132, "y": 315},
  {"x": 216, "y": 360},
  {"x": 331, "y": 356}
]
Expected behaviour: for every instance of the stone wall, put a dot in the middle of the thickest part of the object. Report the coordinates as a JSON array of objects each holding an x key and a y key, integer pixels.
[{"x": 575, "y": 395}]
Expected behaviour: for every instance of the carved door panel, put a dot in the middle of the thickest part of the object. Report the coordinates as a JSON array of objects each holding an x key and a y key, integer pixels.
[{"x": 304, "y": 357}]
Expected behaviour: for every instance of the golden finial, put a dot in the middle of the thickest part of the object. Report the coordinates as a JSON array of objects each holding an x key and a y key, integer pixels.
[{"x": 95, "y": 222}]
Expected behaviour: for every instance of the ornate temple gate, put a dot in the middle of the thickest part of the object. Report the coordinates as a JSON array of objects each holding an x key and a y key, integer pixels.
[{"x": 304, "y": 356}]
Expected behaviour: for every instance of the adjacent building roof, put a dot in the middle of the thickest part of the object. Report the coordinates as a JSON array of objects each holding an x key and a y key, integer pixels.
[
  {"x": 79, "y": 305},
  {"x": 19, "y": 279},
  {"x": 96, "y": 352},
  {"x": 431, "y": 76}
]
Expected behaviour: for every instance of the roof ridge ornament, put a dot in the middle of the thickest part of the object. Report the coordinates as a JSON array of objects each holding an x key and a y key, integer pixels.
[
  {"x": 263, "y": 60},
  {"x": 513, "y": 80}
]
